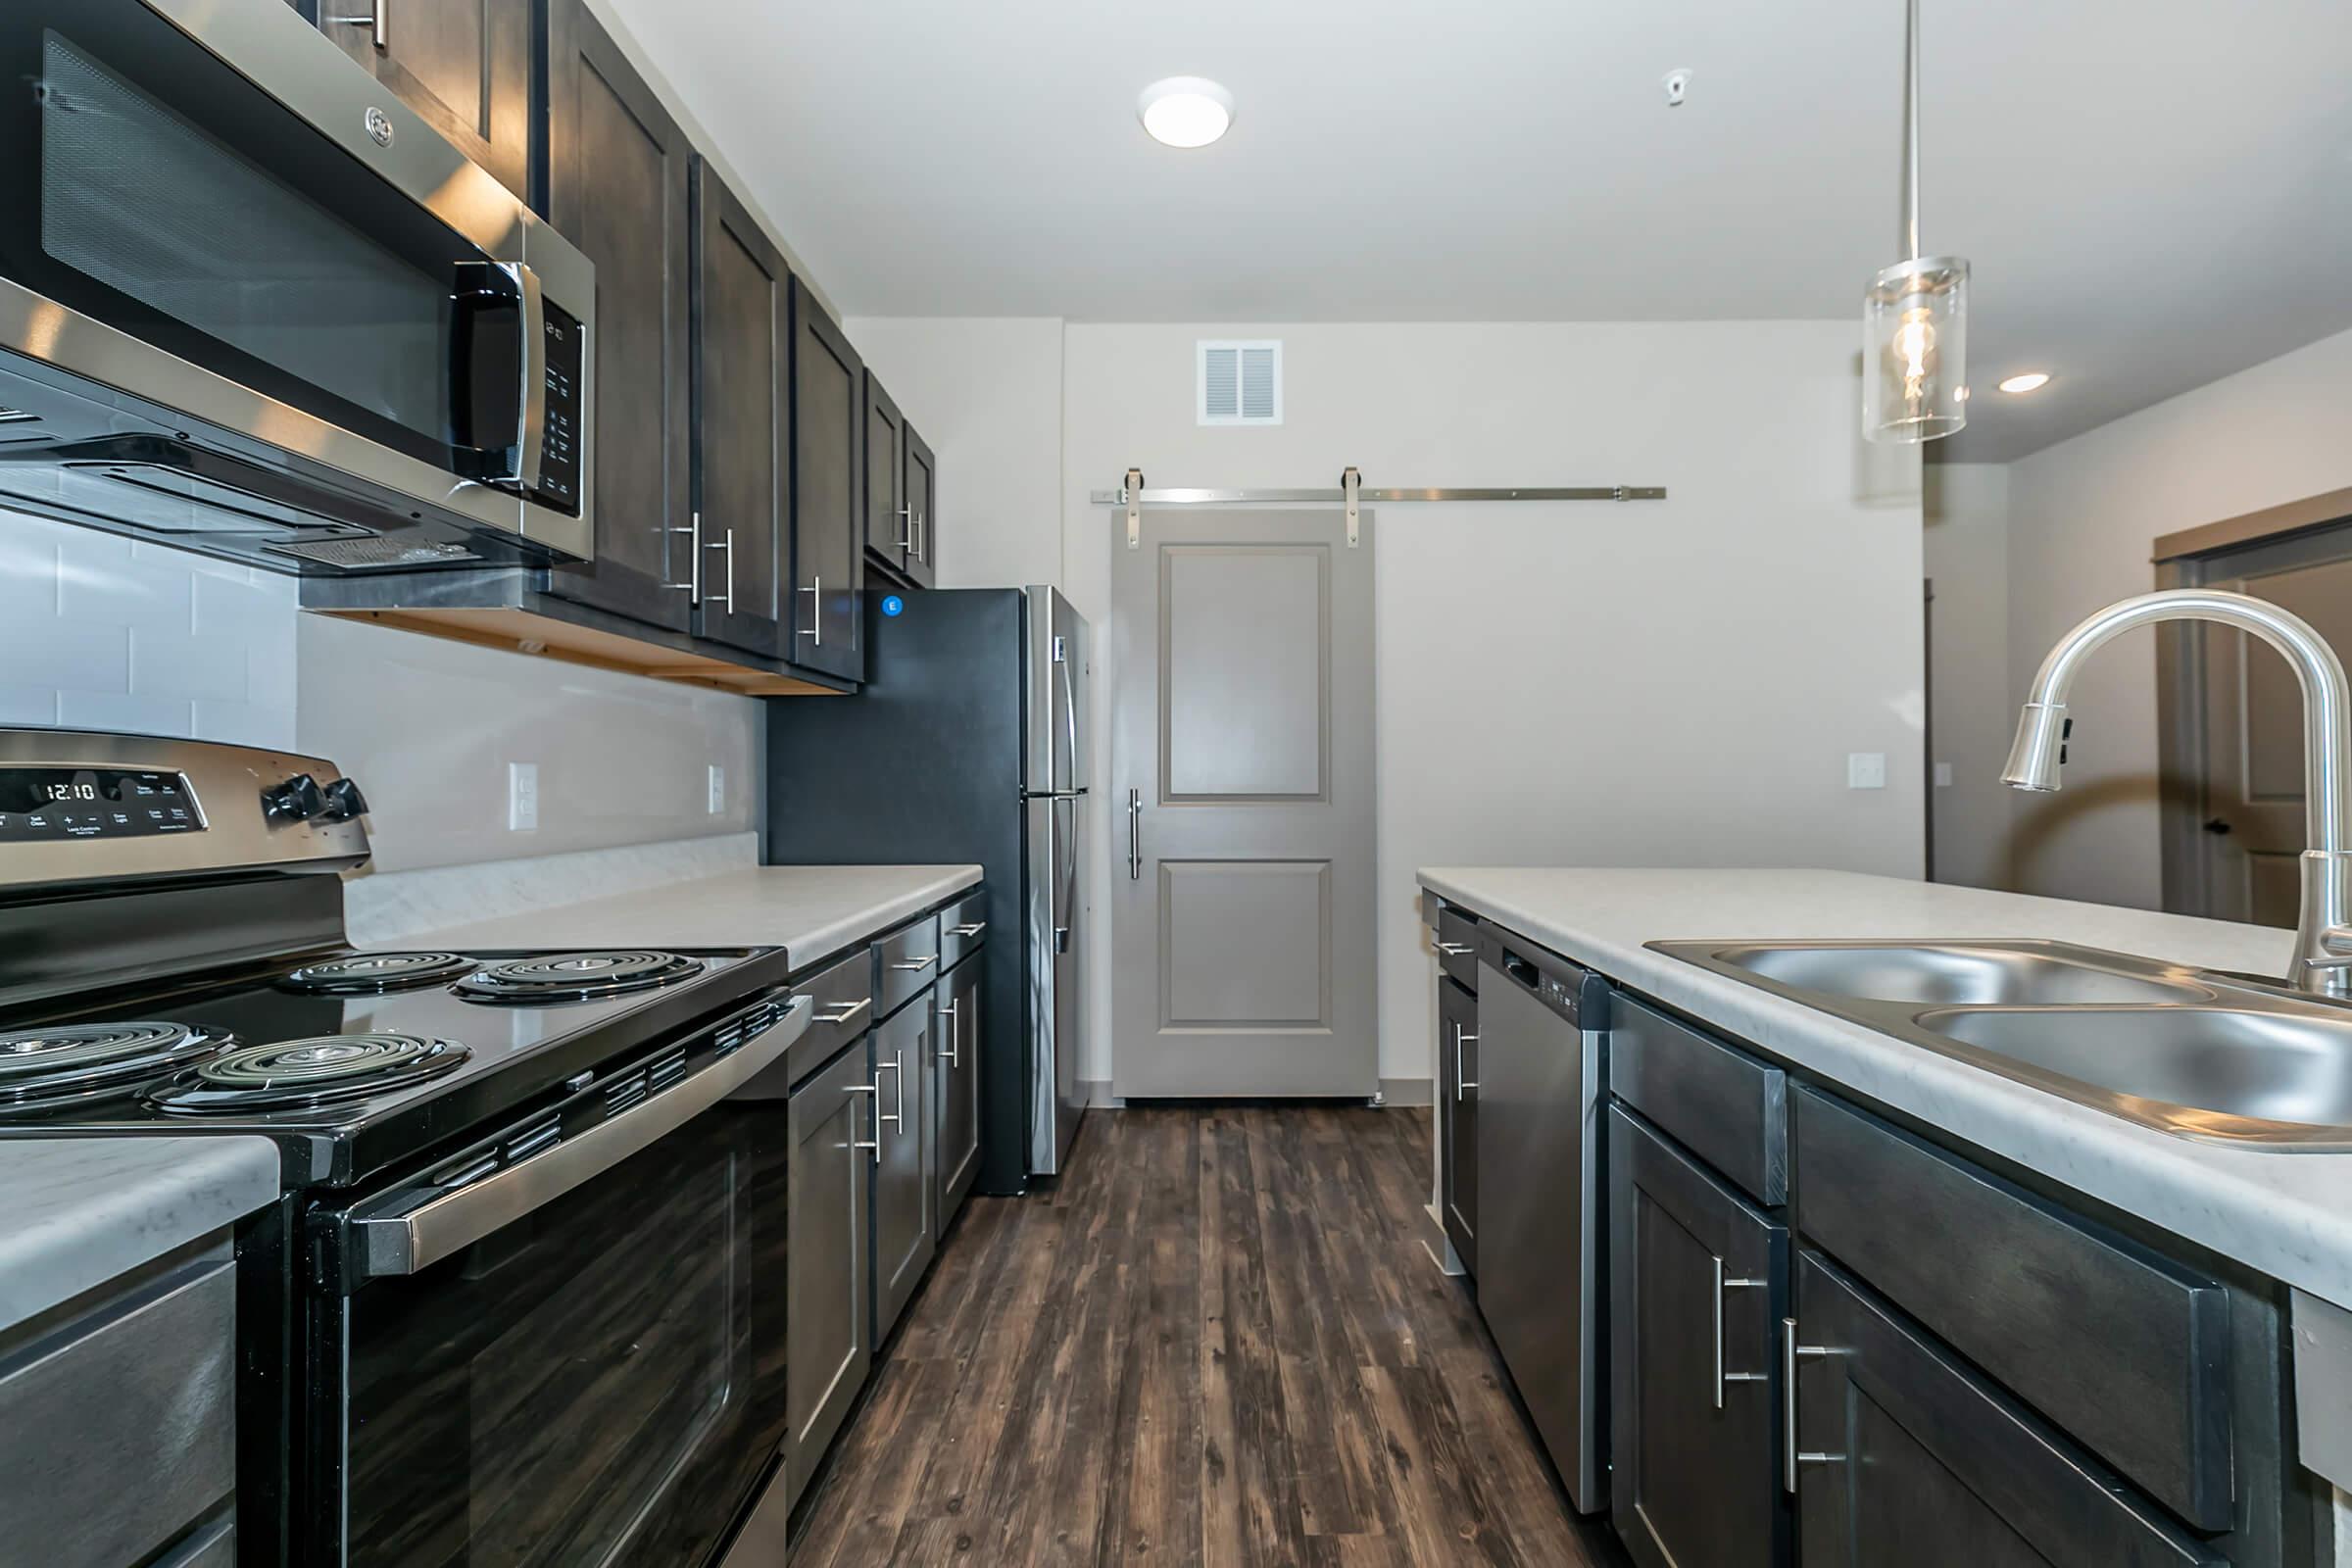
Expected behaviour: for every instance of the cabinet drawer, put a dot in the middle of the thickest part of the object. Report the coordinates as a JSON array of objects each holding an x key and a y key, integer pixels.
[
  {"x": 843, "y": 995},
  {"x": 119, "y": 1432},
  {"x": 904, "y": 962},
  {"x": 1727, "y": 1106},
  {"x": 2120, "y": 1346},
  {"x": 962, "y": 927},
  {"x": 1458, "y": 945}
]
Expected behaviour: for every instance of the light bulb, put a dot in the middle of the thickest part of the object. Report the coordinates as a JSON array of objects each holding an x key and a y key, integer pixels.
[{"x": 1915, "y": 333}]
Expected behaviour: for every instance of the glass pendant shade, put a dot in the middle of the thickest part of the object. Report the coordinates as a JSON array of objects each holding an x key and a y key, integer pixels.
[{"x": 1915, "y": 350}]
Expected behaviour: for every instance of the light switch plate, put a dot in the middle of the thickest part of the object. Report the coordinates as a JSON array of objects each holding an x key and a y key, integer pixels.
[
  {"x": 1943, "y": 775},
  {"x": 719, "y": 789},
  {"x": 522, "y": 797},
  {"x": 1866, "y": 770}
]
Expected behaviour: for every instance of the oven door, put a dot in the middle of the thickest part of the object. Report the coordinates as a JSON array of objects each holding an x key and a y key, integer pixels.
[
  {"x": 242, "y": 227},
  {"x": 594, "y": 1382}
]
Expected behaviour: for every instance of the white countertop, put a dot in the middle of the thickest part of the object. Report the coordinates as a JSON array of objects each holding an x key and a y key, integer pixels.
[
  {"x": 2287, "y": 1215},
  {"x": 812, "y": 911},
  {"x": 82, "y": 1210}
]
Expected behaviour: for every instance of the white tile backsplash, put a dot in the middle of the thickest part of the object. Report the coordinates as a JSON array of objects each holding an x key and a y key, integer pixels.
[{"x": 98, "y": 633}]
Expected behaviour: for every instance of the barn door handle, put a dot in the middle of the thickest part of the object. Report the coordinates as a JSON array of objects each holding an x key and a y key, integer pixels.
[
  {"x": 2217, "y": 827},
  {"x": 1134, "y": 835}
]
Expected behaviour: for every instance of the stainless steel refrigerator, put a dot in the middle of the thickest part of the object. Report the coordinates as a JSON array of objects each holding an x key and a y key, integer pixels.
[{"x": 968, "y": 743}]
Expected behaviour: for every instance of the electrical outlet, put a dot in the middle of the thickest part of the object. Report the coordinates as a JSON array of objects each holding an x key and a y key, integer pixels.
[
  {"x": 1866, "y": 770},
  {"x": 522, "y": 797},
  {"x": 719, "y": 789}
]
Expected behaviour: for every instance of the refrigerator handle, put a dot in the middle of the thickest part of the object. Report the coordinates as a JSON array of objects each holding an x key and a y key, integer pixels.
[{"x": 1068, "y": 869}]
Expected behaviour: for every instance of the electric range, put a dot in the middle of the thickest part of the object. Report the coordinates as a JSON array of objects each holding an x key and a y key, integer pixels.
[{"x": 511, "y": 1306}]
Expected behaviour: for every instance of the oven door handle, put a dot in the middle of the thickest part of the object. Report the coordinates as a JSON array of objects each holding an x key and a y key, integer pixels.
[{"x": 404, "y": 1243}]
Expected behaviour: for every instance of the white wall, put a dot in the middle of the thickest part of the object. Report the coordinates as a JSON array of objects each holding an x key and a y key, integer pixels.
[
  {"x": 986, "y": 394},
  {"x": 2083, "y": 516},
  {"x": 1660, "y": 683},
  {"x": 1967, "y": 547},
  {"x": 97, "y": 632}
]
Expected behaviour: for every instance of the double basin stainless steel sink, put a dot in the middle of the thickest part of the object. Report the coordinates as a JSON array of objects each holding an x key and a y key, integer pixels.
[{"x": 2226, "y": 1059}]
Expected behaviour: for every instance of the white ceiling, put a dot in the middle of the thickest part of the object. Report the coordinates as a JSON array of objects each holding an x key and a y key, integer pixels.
[{"x": 2153, "y": 192}]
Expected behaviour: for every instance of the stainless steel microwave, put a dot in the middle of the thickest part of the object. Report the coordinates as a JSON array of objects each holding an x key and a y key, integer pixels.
[{"x": 252, "y": 305}]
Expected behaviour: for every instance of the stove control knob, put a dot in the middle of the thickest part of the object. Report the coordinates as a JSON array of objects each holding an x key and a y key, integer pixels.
[
  {"x": 344, "y": 800},
  {"x": 297, "y": 800}
]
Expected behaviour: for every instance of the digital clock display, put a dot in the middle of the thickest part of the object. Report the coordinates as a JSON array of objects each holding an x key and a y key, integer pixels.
[{"x": 39, "y": 805}]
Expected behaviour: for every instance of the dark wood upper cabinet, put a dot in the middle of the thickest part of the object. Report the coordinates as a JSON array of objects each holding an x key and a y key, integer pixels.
[
  {"x": 620, "y": 176},
  {"x": 885, "y": 490},
  {"x": 828, "y": 527},
  {"x": 464, "y": 65},
  {"x": 919, "y": 479},
  {"x": 741, "y": 421}
]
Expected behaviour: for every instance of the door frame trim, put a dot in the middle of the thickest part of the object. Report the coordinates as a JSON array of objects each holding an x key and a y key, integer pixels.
[{"x": 2193, "y": 559}]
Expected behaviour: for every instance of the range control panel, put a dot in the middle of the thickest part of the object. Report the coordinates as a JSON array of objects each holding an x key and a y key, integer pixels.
[{"x": 40, "y": 804}]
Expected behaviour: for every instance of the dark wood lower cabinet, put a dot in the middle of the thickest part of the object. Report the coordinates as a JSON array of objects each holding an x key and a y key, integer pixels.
[
  {"x": 905, "y": 1203},
  {"x": 1457, "y": 1115},
  {"x": 956, "y": 1086},
  {"x": 1698, "y": 1291},
  {"x": 829, "y": 1344},
  {"x": 1905, "y": 1458}
]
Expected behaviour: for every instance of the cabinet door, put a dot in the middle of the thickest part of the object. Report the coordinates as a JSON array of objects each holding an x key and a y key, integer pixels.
[
  {"x": 464, "y": 65},
  {"x": 886, "y": 526},
  {"x": 620, "y": 178},
  {"x": 1457, "y": 1105},
  {"x": 1904, "y": 1456},
  {"x": 1697, "y": 1281},
  {"x": 742, "y": 421},
  {"x": 957, "y": 1089},
  {"x": 922, "y": 479},
  {"x": 828, "y": 532},
  {"x": 829, "y": 1323},
  {"x": 906, "y": 1201}
]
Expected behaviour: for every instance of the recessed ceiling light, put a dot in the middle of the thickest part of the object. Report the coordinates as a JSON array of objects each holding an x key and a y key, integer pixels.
[
  {"x": 1185, "y": 111},
  {"x": 2032, "y": 380}
]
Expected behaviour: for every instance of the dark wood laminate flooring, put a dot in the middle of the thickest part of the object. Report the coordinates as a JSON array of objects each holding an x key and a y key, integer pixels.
[{"x": 1218, "y": 1342}]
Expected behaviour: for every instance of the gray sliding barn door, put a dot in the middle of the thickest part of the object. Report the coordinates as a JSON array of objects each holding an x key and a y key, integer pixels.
[{"x": 1241, "y": 807}]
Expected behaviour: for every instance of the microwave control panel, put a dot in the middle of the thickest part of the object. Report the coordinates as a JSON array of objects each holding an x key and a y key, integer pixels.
[{"x": 560, "y": 452}]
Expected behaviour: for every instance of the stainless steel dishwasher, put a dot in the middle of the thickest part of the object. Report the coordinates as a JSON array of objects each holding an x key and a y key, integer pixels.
[{"x": 1542, "y": 1026}]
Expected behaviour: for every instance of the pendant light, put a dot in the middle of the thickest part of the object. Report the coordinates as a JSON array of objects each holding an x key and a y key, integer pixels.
[{"x": 1915, "y": 316}]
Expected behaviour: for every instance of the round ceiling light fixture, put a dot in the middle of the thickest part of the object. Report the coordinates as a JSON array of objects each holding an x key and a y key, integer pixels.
[
  {"x": 2031, "y": 382},
  {"x": 1185, "y": 111}
]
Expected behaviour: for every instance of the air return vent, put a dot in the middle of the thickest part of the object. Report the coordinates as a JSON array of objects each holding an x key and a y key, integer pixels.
[{"x": 1241, "y": 383}]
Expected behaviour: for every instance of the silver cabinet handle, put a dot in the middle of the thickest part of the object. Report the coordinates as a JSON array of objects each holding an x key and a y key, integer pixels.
[
  {"x": 1460, "y": 1084},
  {"x": 906, "y": 532},
  {"x": 692, "y": 587},
  {"x": 1721, "y": 1376},
  {"x": 1791, "y": 1354},
  {"x": 728, "y": 545},
  {"x": 1134, "y": 835},
  {"x": 922, "y": 537},
  {"x": 953, "y": 1013},
  {"x": 846, "y": 1011},
  {"x": 874, "y": 1147},
  {"x": 916, "y": 963},
  {"x": 456, "y": 1219},
  {"x": 1455, "y": 950},
  {"x": 379, "y": 20},
  {"x": 815, "y": 628},
  {"x": 898, "y": 1117},
  {"x": 970, "y": 929}
]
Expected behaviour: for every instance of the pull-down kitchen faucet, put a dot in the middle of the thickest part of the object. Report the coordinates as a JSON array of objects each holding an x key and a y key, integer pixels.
[{"x": 2323, "y": 961}]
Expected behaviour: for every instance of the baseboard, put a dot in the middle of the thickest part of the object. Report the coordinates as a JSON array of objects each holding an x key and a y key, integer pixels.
[
  {"x": 1408, "y": 1092},
  {"x": 1094, "y": 1092}
]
